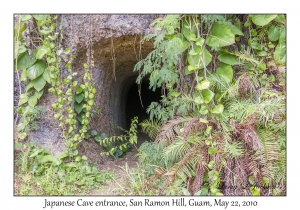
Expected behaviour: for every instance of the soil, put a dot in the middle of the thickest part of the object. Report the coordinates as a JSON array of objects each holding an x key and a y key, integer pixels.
[{"x": 117, "y": 168}]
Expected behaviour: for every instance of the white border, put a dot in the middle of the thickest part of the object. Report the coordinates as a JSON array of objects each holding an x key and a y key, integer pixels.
[{"x": 8, "y": 8}]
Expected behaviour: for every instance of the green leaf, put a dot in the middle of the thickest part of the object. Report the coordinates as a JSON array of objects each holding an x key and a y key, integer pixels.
[
  {"x": 80, "y": 116},
  {"x": 280, "y": 54},
  {"x": 36, "y": 69},
  {"x": 23, "y": 99},
  {"x": 193, "y": 52},
  {"x": 29, "y": 86},
  {"x": 274, "y": 33},
  {"x": 208, "y": 130},
  {"x": 255, "y": 191},
  {"x": 40, "y": 17},
  {"x": 212, "y": 150},
  {"x": 23, "y": 75},
  {"x": 47, "y": 158},
  {"x": 189, "y": 35},
  {"x": 280, "y": 18},
  {"x": 67, "y": 51},
  {"x": 32, "y": 101},
  {"x": 21, "y": 49},
  {"x": 203, "y": 110},
  {"x": 78, "y": 89},
  {"x": 234, "y": 29},
  {"x": 207, "y": 95},
  {"x": 225, "y": 71},
  {"x": 79, "y": 97},
  {"x": 38, "y": 94},
  {"x": 282, "y": 37},
  {"x": 218, "y": 109},
  {"x": 229, "y": 59},
  {"x": 262, "y": 20},
  {"x": 199, "y": 100},
  {"x": 203, "y": 85},
  {"x": 197, "y": 60},
  {"x": 211, "y": 164},
  {"x": 98, "y": 138},
  {"x": 24, "y": 61},
  {"x": 94, "y": 132},
  {"x": 203, "y": 120},
  {"x": 78, "y": 107},
  {"x": 25, "y": 17},
  {"x": 41, "y": 52},
  {"x": 262, "y": 53},
  {"x": 220, "y": 36},
  {"x": 262, "y": 66},
  {"x": 46, "y": 76},
  {"x": 39, "y": 83}
]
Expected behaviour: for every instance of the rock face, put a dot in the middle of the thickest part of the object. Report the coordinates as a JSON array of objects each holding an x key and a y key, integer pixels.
[{"x": 112, "y": 37}]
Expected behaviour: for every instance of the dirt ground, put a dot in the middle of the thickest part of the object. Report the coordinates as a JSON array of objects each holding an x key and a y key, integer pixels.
[{"x": 116, "y": 167}]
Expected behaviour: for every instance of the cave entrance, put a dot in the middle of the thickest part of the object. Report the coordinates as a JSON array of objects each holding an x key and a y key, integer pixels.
[{"x": 133, "y": 106}]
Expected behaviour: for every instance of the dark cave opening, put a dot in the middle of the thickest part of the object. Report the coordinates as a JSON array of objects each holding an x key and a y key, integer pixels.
[{"x": 133, "y": 105}]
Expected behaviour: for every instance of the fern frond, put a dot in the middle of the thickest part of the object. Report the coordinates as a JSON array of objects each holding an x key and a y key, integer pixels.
[
  {"x": 169, "y": 130},
  {"x": 176, "y": 150},
  {"x": 268, "y": 154},
  {"x": 234, "y": 150},
  {"x": 150, "y": 127}
]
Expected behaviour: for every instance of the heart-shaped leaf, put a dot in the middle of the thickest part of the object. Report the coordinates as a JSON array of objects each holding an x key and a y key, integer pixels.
[
  {"x": 207, "y": 95},
  {"x": 280, "y": 54},
  {"x": 25, "y": 17},
  {"x": 40, "y": 17},
  {"x": 80, "y": 116},
  {"x": 203, "y": 85},
  {"x": 229, "y": 59},
  {"x": 274, "y": 33},
  {"x": 78, "y": 90},
  {"x": 200, "y": 60},
  {"x": 41, "y": 52},
  {"x": 203, "y": 110},
  {"x": 220, "y": 36},
  {"x": 280, "y": 18},
  {"x": 262, "y": 20},
  {"x": 79, "y": 97},
  {"x": 24, "y": 61},
  {"x": 234, "y": 29},
  {"x": 39, "y": 83},
  {"x": 225, "y": 71},
  {"x": 32, "y": 101},
  {"x": 46, "y": 76},
  {"x": 199, "y": 100},
  {"x": 36, "y": 69},
  {"x": 211, "y": 164},
  {"x": 94, "y": 132},
  {"x": 23, "y": 99},
  {"x": 38, "y": 94},
  {"x": 212, "y": 150},
  {"x": 78, "y": 107},
  {"x": 218, "y": 109}
]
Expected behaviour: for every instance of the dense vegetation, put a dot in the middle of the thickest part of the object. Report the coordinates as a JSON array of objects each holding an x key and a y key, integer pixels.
[
  {"x": 218, "y": 130},
  {"x": 221, "y": 124}
]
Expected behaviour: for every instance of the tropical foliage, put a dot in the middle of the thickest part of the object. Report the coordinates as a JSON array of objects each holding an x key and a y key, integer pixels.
[{"x": 222, "y": 121}]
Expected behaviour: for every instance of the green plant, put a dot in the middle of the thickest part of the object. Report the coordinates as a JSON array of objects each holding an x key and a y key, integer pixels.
[
  {"x": 221, "y": 105},
  {"x": 150, "y": 127},
  {"x": 117, "y": 146},
  {"x": 39, "y": 58},
  {"x": 43, "y": 174},
  {"x": 28, "y": 120}
]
